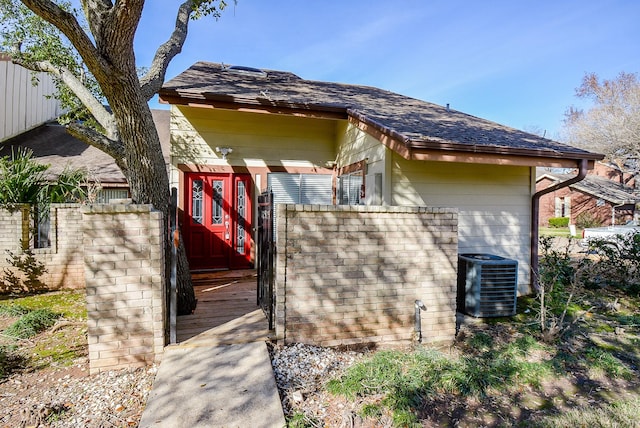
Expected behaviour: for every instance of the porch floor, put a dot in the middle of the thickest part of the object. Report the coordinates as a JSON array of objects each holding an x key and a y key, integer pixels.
[{"x": 227, "y": 312}]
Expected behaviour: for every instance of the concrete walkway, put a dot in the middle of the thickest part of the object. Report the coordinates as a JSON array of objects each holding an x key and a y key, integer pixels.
[{"x": 214, "y": 386}]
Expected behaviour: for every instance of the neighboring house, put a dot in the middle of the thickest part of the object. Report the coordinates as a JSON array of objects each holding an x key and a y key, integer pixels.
[
  {"x": 24, "y": 105},
  {"x": 237, "y": 131},
  {"x": 28, "y": 116},
  {"x": 606, "y": 195},
  {"x": 53, "y": 145}
]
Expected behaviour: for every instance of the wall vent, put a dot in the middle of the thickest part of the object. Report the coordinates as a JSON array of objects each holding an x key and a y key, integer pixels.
[{"x": 487, "y": 285}]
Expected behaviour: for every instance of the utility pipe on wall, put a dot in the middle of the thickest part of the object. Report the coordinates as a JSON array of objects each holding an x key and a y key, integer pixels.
[
  {"x": 419, "y": 306},
  {"x": 583, "y": 165}
]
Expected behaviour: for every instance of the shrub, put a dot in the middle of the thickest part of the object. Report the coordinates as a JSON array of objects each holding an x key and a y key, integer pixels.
[
  {"x": 587, "y": 219},
  {"x": 32, "y": 323},
  {"x": 618, "y": 264},
  {"x": 559, "y": 222}
]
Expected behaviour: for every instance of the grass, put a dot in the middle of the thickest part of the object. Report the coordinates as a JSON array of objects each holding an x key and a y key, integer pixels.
[
  {"x": 406, "y": 379},
  {"x": 31, "y": 323},
  {"x": 35, "y": 314},
  {"x": 69, "y": 304},
  {"x": 618, "y": 414},
  {"x": 501, "y": 367},
  {"x": 599, "y": 358},
  {"x": 558, "y": 231}
]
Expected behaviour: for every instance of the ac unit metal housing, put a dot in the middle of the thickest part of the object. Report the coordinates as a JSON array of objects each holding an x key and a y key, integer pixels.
[{"x": 487, "y": 285}]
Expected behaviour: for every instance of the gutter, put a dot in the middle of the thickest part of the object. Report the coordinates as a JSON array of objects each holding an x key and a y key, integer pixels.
[{"x": 535, "y": 215}]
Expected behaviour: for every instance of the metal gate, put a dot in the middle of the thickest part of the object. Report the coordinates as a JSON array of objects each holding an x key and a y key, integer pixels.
[{"x": 266, "y": 298}]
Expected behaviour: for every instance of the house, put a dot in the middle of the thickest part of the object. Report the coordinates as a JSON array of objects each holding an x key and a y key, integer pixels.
[
  {"x": 606, "y": 196},
  {"x": 28, "y": 117},
  {"x": 53, "y": 145},
  {"x": 237, "y": 131}
]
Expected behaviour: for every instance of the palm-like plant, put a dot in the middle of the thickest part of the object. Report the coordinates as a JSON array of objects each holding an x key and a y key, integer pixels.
[{"x": 23, "y": 181}]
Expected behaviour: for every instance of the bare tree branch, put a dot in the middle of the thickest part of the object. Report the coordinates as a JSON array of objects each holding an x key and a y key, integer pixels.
[
  {"x": 113, "y": 148},
  {"x": 152, "y": 81},
  {"x": 71, "y": 28}
]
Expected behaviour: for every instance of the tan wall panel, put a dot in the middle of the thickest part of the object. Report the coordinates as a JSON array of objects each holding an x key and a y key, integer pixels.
[{"x": 494, "y": 204}]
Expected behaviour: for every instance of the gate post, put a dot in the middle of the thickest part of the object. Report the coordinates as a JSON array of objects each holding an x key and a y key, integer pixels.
[{"x": 125, "y": 282}]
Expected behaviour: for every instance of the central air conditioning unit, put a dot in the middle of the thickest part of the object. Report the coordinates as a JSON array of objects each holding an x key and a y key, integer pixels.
[{"x": 487, "y": 285}]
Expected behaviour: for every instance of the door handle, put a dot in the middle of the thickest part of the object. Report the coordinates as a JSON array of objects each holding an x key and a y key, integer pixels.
[{"x": 226, "y": 231}]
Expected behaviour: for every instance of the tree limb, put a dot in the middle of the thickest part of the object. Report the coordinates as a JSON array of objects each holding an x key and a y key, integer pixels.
[
  {"x": 99, "y": 112},
  {"x": 152, "y": 81},
  {"x": 113, "y": 148},
  {"x": 71, "y": 28}
]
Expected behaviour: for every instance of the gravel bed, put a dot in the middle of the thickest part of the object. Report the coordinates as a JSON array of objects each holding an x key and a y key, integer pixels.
[
  {"x": 301, "y": 372},
  {"x": 69, "y": 397}
]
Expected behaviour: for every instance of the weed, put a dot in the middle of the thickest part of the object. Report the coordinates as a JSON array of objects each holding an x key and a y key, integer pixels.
[
  {"x": 371, "y": 411},
  {"x": 632, "y": 320},
  {"x": 300, "y": 420},
  {"x": 32, "y": 323}
]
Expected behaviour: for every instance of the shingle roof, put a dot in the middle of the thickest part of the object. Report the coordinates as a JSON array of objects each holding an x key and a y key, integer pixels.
[
  {"x": 418, "y": 124},
  {"x": 53, "y": 145},
  {"x": 600, "y": 187}
]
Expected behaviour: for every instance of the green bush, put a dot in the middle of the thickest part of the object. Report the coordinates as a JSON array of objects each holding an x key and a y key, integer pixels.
[
  {"x": 587, "y": 219},
  {"x": 618, "y": 263},
  {"x": 559, "y": 222}
]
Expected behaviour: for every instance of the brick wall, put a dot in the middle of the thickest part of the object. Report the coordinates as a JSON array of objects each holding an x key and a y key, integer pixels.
[
  {"x": 124, "y": 274},
  {"x": 10, "y": 231},
  {"x": 116, "y": 252},
  {"x": 352, "y": 274},
  {"x": 63, "y": 260}
]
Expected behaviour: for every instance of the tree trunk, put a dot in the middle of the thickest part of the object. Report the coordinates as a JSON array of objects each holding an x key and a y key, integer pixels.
[
  {"x": 146, "y": 172},
  {"x": 133, "y": 142}
]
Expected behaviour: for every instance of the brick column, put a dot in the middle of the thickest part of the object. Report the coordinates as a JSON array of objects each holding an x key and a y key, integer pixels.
[{"x": 124, "y": 275}]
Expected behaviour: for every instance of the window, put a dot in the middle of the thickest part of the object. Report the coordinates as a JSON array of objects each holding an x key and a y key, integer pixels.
[
  {"x": 106, "y": 195},
  {"x": 562, "y": 206},
  {"x": 351, "y": 184},
  {"x": 351, "y": 189}
]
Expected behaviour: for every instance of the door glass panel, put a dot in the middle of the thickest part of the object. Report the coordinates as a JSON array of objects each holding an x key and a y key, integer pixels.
[
  {"x": 216, "y": 201},
  {"x": 241, "y": 206},
  {"x": 196, "y": 201}
]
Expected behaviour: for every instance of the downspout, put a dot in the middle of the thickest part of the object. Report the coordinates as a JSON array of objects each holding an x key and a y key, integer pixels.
[{"x": 535, "y": 215}]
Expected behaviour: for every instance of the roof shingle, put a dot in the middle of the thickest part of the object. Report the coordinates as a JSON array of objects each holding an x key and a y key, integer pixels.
[{"x": 419, "y": 124}]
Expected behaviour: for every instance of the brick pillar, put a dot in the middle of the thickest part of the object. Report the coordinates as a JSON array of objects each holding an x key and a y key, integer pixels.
[{"x": 124, "y": 274}]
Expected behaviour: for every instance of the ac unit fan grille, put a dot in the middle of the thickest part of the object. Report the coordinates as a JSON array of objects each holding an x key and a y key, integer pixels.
[{"x": 487, "y": 285}]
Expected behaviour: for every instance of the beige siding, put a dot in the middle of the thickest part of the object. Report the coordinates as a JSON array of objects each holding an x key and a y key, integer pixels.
[
  {"x": 256, "y": 139},
  {"x": 22, "y": 105},
  {"x": 355, "y": 145},
  {"x": 493, "y": 201}
]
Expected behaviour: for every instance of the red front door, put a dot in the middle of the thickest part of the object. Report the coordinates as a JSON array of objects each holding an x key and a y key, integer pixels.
[{"x": 217, "y": 221}]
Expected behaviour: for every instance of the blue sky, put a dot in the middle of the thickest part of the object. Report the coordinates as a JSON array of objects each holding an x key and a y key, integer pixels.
[{"x": 514, "y": 62}]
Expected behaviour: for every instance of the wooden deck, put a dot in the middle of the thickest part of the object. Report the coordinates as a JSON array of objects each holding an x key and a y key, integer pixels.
[{"x": 227, "y": 312}]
